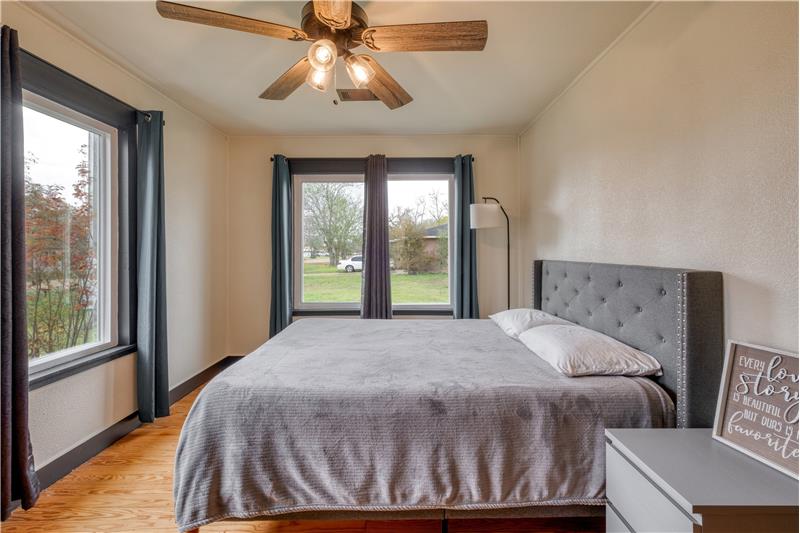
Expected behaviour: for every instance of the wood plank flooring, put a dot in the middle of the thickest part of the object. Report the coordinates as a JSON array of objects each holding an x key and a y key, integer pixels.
[{"x": 128, "y": 488}]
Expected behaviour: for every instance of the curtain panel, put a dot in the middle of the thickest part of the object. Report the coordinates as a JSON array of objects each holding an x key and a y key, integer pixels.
[
  {"x": 280, "y": 314},
  {"x": 376, "y": 291},
  {"x": 151, "y": 322},
  {"x": 466, "y": 262},
  {"x": 18, "y": 479}
]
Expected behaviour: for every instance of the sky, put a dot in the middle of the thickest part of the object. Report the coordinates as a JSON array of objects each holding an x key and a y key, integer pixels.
[
  {"x": 404, "y": 193},
  {"x": 56, "y": 144}
]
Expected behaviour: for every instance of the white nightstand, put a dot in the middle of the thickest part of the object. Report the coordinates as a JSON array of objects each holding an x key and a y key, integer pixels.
[{"x": 682, "y": 480}]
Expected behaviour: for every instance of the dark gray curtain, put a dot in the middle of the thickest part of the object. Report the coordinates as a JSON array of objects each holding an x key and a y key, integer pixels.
[
  {"x": 466, "y": 263},
  {"x": 151, "y": 323},
  {"x": 18, "y": 479},
  {"x": 376, "y": 290},
  {"x": 280, "y": 310}
]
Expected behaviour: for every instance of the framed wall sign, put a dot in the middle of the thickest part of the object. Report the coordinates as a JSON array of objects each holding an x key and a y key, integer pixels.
[{"x": 758, "y": 404}]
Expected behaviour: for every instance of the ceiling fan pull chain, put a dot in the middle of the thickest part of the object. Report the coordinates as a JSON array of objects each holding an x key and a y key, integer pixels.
[{"x": 335, "y": 85}]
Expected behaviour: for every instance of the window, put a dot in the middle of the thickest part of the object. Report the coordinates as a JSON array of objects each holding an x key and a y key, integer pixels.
[
  {"x": 80, "y": 155},
  {"x": 329, "y": 216},
  {"x": 419, "y": 243},
  {"x": 71, "y": 233},
  {"x": 328, "y": 236}
]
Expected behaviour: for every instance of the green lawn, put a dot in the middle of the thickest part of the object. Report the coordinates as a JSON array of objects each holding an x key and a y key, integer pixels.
[
  {"x": 323, "y": 283},
  {"x": 318, "y": 267}
]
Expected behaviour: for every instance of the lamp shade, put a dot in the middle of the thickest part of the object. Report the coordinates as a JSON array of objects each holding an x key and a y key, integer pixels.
[
  {"x": 322, "y": 55},
  {"x": 360, "y": 72},
  {"x": 319, "y": 79},
  {"x": 485, "y": 216}
]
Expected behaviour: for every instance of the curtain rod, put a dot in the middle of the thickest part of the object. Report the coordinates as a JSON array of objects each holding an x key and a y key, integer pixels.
[
  {"x": 148, "y": 117},
  {"x": 272, "y": 159}
]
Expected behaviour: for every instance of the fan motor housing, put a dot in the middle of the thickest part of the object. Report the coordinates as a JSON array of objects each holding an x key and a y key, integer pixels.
[{"x": 315, "y": 29}]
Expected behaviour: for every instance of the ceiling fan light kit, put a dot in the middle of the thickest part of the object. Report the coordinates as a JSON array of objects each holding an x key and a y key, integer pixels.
[
  {"x": 322, "y": 54},
  {"x": 335, "y": 27},
  {"x": 359, "y": 70},
  {"x": 319, "y": 79}
]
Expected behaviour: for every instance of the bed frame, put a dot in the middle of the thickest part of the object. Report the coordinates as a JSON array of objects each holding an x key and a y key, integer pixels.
[{"x": 675, "y": 315}]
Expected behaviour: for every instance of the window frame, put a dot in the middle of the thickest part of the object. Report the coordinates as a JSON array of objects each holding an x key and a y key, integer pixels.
[
  {"x": 48, "y": 81},
  {"x": 108, "y": 232},
  {"x": 304, "y": 170}
]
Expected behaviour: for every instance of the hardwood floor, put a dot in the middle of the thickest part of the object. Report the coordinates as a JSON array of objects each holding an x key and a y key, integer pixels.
[{"x": 128, "y": 488}]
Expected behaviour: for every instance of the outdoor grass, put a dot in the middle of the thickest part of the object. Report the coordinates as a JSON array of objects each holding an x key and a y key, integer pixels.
[
  {"x": 317, "y": 267},
  {"x": 323, "y": 283}
]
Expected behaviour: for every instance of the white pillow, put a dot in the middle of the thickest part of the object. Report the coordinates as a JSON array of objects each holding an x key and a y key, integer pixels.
[
  {"x": 515, "y": 321},
  {"x": 577, "y": 351}
]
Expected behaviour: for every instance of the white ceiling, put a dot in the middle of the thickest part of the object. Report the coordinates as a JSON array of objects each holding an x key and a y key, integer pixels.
[{"x": 533, "y": 51}]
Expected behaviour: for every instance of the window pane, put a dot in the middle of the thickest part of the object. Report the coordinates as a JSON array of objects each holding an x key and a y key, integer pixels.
[
  {"x": 61, "y": 210},
  {"x": 419, "y": 241},
  {"x": 332, "y": 220}
]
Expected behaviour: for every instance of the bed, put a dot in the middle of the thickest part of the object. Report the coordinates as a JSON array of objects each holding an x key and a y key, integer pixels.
[{"x": 337, "y": 418}]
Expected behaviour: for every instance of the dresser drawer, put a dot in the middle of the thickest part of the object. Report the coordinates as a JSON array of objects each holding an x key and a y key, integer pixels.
[{"x": 638, "y": 501}]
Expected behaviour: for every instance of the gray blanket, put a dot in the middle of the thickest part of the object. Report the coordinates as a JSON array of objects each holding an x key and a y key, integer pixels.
[{"x": 389, "y": 415}]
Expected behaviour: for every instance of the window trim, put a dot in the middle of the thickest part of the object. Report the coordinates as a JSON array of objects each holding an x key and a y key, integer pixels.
[
  {"x": 108, "y": 251},
  {"x": 47, "y": 80},
  {"x": 313, "y": 170},
  {"x": 357, "y": 312},
  {"x": 358, "y": 165}
]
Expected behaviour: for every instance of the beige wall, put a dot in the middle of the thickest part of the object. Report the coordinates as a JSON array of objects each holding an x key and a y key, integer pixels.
[
  {"x": 69, "y": 411},
  {"x": 679, "y": 148},
  {"x": 250, "y": 196}
]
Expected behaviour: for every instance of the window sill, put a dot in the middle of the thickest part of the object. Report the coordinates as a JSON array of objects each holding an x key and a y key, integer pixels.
[
  {"x": 421, "y": 311},
  {"x": 356, "y": 312},
  {"x": 55, "y": 373}
]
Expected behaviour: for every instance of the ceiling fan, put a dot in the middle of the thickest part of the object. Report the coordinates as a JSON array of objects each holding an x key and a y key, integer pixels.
[{"x": 335, "y": 27}]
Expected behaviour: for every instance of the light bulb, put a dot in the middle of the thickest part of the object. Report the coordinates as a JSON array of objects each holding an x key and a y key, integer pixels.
[
  {"x": 360, "y": 73},
  {"x": 319, "y": 79},
  {"x": 359, "y": 70},
  {"x": 322, "y": 54}
]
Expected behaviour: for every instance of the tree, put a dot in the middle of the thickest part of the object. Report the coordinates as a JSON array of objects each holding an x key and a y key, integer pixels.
[
  {"x": 411, "y": 246},
  {"x": 407, "y": 229},
  {"x": 437, "y": 207},
  {"x": 400, "y": 215},
  {"x": 332, "y": 218},
  {"x": 61, "y": 262}
]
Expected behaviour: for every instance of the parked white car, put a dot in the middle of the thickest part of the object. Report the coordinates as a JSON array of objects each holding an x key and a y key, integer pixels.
[{"x": 351, "y": 264}]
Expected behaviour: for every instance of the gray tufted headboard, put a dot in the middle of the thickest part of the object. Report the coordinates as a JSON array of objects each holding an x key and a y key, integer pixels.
[{"x": 675, "y": 315}]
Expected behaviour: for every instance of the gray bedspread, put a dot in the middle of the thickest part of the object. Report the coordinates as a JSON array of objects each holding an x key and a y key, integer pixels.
[{"x": 391, "y": 415}]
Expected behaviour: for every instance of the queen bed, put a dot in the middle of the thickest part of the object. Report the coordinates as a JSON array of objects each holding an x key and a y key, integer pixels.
[{"x": 338, "y": 418}]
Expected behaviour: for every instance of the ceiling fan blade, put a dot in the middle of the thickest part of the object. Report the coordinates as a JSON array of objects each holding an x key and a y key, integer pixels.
[
  {"x": 334, "y": 13},
  {"x": 385, "y": 87},
  {"x": 356, "y": 95},
  {"x": 468, "y": 35},
  {"x": 288, "y": 82},
  {"x": 171, "y": 10}
]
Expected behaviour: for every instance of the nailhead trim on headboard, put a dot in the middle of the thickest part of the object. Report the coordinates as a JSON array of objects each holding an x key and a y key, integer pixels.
[{"x": 680, "y": 408}]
